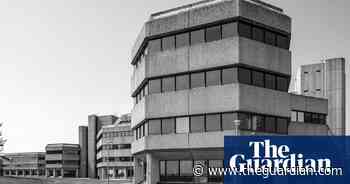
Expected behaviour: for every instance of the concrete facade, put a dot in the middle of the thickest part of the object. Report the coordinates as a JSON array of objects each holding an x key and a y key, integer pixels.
[
  {"x": 24, "y": 164},
  {"x": 62, "y": 160},
  {"x": 83, "y": 143},
  {"x": 165, "y": 119},
  {"x": 327, "y": 80}
]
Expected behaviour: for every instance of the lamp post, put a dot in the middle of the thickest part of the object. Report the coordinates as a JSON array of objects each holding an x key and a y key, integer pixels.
[{"x": 236, "y": 124}]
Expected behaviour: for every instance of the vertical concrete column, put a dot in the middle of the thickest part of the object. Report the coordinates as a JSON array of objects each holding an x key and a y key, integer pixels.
[
  {"x": 92, "y": 131},
  {"x": 102, "y": 173},
  {"x": 138, "y": 174},
  {"x": 83, "y": 142},
  {"x": 77, "y": 173},
  {"x": 54, "y": 172},
  {"x": 62, "y": 172},
  {"x": 152, "y": 175}
]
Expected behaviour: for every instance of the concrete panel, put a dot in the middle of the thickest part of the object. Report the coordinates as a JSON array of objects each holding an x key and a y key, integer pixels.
[
  {"x": 212, "y": 54},
  {"x": 167, "y": 24},
  {"x": 213, "y": 99},
  {"x": 264, "y": 56},
  {"x": 264, "y": 101},
  {"x": 138, "y": 113},
  {"x": 308, "y": 104},
  {"x": 167, "y": 104},
  {"x": 83, "y": 142},
  {"x": 92, "y": 146},
  {"x": 264, "y": 15},
  {"x": 307, "y": 129},
  {"x": 139, "y": 74},
  {"x": 140, "y": 37}
]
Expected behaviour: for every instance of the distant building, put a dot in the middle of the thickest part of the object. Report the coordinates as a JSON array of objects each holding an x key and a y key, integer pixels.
[
  {"x": 24, "y": 164},
  {"x": 114, "y": 150},
  {"x": 62, "y": 160},
  {"x": 327, "y": 80}
]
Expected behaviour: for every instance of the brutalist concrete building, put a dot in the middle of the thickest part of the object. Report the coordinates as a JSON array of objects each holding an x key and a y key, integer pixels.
[
  {"x": 206, "y": 70},
  {"x": 31, "y": 164}
]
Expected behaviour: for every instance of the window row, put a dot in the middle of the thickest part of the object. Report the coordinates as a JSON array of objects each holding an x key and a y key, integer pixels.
[
  {"x": 214, "y": 33},
  {"x": 67, "y": 162},
  {"x": 116, "y": 134},
  {"x": 182, "y": 170},
  {"x": 308, "y": 117},
  {"x": 114, "y": 147},
  {"x": 213, "y": 122},
  {"x": 115, "y": 159},
  {"x": 212, "y": 78}
]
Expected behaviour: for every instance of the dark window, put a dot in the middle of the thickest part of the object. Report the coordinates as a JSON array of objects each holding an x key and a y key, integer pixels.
[
  {"x": 182, "y": 82},
  {"x": 244, "y": 76},
  {"x": 186, "y": 168},
  {"x": 197, "y": 80},
  {"x": 270, "y": 81},
  {"x": 323, "y": 119},
  {"x": 282, "y": 83},
  {"x": 258, "y": 34},
  {"x": 162, "y": 168},
  {"x": 213, "y": 122},
  {"x": 227, "y": 121},
  {"x": 168, "y": 42},
  {"x": 245, "y": 30},
  {"x": 229, "y": 30},
  {"x": 154, "y": 127},
  {"x": 155, "y": 45},
  {"x": 245, "y": 121},
  {"x": 197, "y": 36},
  {"x": 282, "y": 42},
  {"x": 154, "y": 86},
  {"x": 168, "y": 84},
  {"x": 172, "y": 168},
  {"x": 270, "y": 38},
  {"x": 270, "y": 124},
  {"x": 258, "y": 123},
  {"x": 182, "y": 40},
  {"x": 228, "y": 76},
  {"x": 282, "y": 125},
  {"x": 197, "y": 124},
  {"x": 315, "y": 118},
  {"x": 168, "y": 126},
  {"x": 258, "y": 78},
  {"x": 213, "y": 33},
  {"x": 213, "y": 78}
]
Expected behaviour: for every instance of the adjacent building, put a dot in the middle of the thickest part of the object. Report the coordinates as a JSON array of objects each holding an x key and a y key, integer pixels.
[
  {"x": 24, "y": 164},
  {"x": 114, "y": 159},
  {"x": 199, "y": 68},
  {"x": 62, "y": 160}
]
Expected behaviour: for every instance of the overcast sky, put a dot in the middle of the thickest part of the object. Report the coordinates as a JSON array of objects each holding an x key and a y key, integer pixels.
[{"x": 65, "y": 59}]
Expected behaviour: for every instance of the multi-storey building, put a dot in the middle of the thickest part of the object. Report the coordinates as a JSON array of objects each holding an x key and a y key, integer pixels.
[
  {"x": 201, "y": 67},
  {"x": 24, "y": 164},
  {"x": 114, "y": 159},
  {"x": 62, "y": 160}
]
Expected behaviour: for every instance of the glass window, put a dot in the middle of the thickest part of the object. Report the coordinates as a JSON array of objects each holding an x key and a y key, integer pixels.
[
  {"x": 244, "y": 76},
  {"x": 155, "y": 45},
  {"x": 146, "y": 129},
  {"x": 270, "y": 81},
  {"x": 197, "y": 124},
  {"x": 258, "y": 123},
  {"x": 228, "y": 76},
  {"x": 245, "y": 30},
  {"x": 270, "y": 124},
  {"x": 213, "y": 78},
  {"x": 300, "y": 116},
  {"x": 315, "y": 118},
  {"x": 168, "y": 84},
  {"x": 307, "y": 117},
  {"x": 168, "y": 126},
  {"x": 227, "y": 121},
  {"x": 282, "y": 125},
  {"x": 294, "y": 116},
  {"x": 154, "y": 86},
  {"x": 162, "y": 168},
  {"x": 182, "y": 82},
  {"x": 172, "y": 168},
  {"x": 154, "y": 127},
  {"x": 197, "y": 80},
  {"x": 182, "y": 125},
  {"x": 270, "y": 38},
  {"x": 258, "y": 78},
  {"x": 282, "y": 42},
  {"x": 282, "y": 84},
  {"x": 197, "y": 36},
  {"x": 186, "y": 168},
  {"x": 213, "y": 33},
  {"x": 213, "y": 122},
  {"x": 245, "y": 123},
  {"x": 182, "y": 40},
  {"x": 258, "y": 34},
  {"x": 323, "y": 119},
  {"x": 168, "y": 42},
  {"x": 229, "y": 30}
]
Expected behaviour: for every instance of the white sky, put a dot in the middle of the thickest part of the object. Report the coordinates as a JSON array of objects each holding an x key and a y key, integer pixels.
[{"x": 63, "y": 60}]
